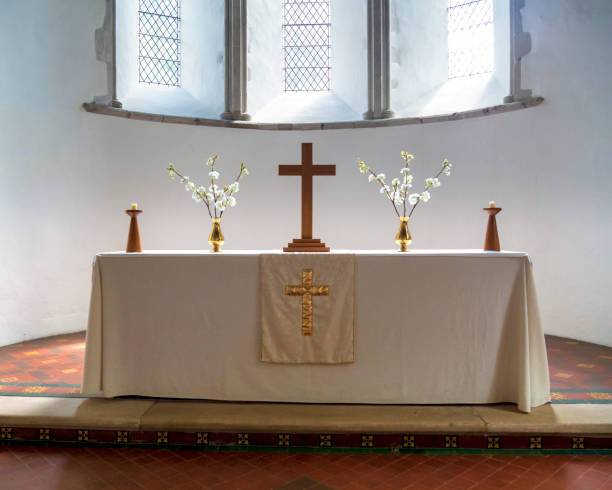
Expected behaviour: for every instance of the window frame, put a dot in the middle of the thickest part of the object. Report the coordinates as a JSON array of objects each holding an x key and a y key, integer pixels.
[
  {"x": 150, "y": 41},
  {"x": 295, "y": 55},
  {"x": 377, "y": 50}
]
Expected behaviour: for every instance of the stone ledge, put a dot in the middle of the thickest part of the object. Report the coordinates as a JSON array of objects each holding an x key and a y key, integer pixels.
[
  {"x": 311, "y": 418},
  {"x": 192, "y": 415},
  {"x": 397, "y": 121},
  {"x": 547, "y": 419},
  {"x": 59, "y": 412}
]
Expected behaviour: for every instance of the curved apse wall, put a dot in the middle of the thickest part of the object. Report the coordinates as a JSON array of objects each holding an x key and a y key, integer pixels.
[{"x": 66, "y": 175}]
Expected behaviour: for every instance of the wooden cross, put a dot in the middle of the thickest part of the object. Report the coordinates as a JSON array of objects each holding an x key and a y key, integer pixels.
[
  {"x": 306, "y": 290},
  {"x": 306, "y": 170}
]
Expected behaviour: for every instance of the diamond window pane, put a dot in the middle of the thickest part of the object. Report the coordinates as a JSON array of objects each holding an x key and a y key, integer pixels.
[
  {"x": 159, "y": 42},
  {"x": 470, "y": 37},
  {"x": 306, "y": 45}
]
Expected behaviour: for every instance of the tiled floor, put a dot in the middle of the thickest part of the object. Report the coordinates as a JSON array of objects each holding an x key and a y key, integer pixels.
[
  {"x": 579, "y": 371},
  {"x": 48, "y": 366},
  {"x": 98, "y": 468},
  {"x": 53, "y": 367}
]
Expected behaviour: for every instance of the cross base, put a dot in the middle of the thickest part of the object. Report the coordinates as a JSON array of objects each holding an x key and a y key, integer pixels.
[{"x": 306, "y": 245}]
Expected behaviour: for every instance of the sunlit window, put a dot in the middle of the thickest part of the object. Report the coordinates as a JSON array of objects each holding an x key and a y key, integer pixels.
[
  {"x": 470, "y": 37},
  {"x": 306, "y": 45},
  {"x": 159, "y": 55}
]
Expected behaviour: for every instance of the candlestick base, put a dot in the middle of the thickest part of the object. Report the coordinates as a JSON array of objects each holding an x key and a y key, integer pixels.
[
  {"x": 133, "y": 242},
  {"x": 306, "y": 245},
  {"x": 491, "y": 243}
]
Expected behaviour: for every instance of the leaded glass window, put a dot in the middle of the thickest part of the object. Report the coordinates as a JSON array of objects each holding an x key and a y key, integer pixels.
[
  {"x": 306, "y": 45},
  {"x": 159, "y": 54},
  {"x": 470, "y": 37}
]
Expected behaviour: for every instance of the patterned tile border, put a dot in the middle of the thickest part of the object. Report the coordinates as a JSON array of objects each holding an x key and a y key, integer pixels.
[
  {"x": 201, "y": 438},
  {"x": 284, "y": 440},
  {"x": 309, "y": 441}
]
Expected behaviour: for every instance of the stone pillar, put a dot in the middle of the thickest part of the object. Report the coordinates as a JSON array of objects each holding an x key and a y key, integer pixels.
[
  {"x": 379, "y": 88},
  {"x": 235, "y": 61},
  {"x": 106, "y": 46},
  {"x": 520, "y": 45}
]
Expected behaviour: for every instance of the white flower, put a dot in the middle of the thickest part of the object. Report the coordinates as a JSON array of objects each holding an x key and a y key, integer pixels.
[
  {"x": 371, "y": 178},
  {"x": 385, "y": 189},
  {"x": 213, "y": 174},
  {"x": 405, "y": 170},
  {"x": 413, "y": 199},
  {"x": 220, "y": 205},
  {"x": 233, "y": 187},
  {"x": 210, "y": 197},
  {"x": 171, "y": 173},
  {"x": 425, "y": 196},
  {"x": 215, "y": 191},
  {"x": 432, "y": 182},
  {"x": 184, "y": 179},
  {"x": 405, "y": 187},
  {"x": 231, "y": 200},
  {"x": 196, "y": 197},
  {"x": 244, "y": 171},
  {"x": 381, "y": 178},
  {"x": 446, "y": 167},
  {"x": 190, "y": 186},
  {"x": 395, "y": 182},
  {"x": 408, "y": 179},
  {"x": 398, "y": 200},
  {"x": 407, "y": 156}
]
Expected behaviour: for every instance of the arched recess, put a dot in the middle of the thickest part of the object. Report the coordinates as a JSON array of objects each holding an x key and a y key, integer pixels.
[{"x": 380, "y": 74}]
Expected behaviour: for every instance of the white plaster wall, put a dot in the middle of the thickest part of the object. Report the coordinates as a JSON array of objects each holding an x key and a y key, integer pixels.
[
  {"x": 264, "y": 53},
  {"x": 501, "y": 37},
  {"x": 203, "y": 48},
  {"x": 349, "y": 51},
  {"x": 419, "y": 61},
  {"x": 268, "y": 102},
  {"x": 202, "y": 44},
  {"x": 419, "y": 49},
  {"x": 66, "y": 175}
]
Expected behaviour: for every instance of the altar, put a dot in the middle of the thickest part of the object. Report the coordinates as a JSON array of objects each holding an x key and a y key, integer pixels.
[{"x": 430, "y": 327}]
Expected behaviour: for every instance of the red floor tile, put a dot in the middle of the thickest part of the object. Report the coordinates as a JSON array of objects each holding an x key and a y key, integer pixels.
[{"x": 579, "y": 371}]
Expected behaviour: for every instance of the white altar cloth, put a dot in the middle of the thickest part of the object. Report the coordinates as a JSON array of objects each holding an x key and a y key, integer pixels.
[{"x": 431, "y": 327}]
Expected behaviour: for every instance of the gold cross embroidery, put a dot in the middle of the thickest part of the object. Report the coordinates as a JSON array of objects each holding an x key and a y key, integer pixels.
[{"x": 307, "y": 291}]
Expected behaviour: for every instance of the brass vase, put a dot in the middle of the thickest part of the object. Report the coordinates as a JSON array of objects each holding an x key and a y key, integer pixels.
[
  {"x": 216, "y": 237},
  {"x": 403, "y": 237}
]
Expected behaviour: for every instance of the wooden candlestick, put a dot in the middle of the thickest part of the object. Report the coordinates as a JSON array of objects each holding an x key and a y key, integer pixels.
[
  {"x": 133, "y": 243},
  {"x": 491, "y": 237}
]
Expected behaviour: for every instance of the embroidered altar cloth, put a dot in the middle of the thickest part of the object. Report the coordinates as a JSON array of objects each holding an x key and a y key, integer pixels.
[
  {"x": 307, "y": 308},
  {"x": 431, "y": 327}
]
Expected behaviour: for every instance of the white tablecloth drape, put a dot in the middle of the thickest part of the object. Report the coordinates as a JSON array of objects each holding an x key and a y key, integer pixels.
[{"x": 431, "y": 327}]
